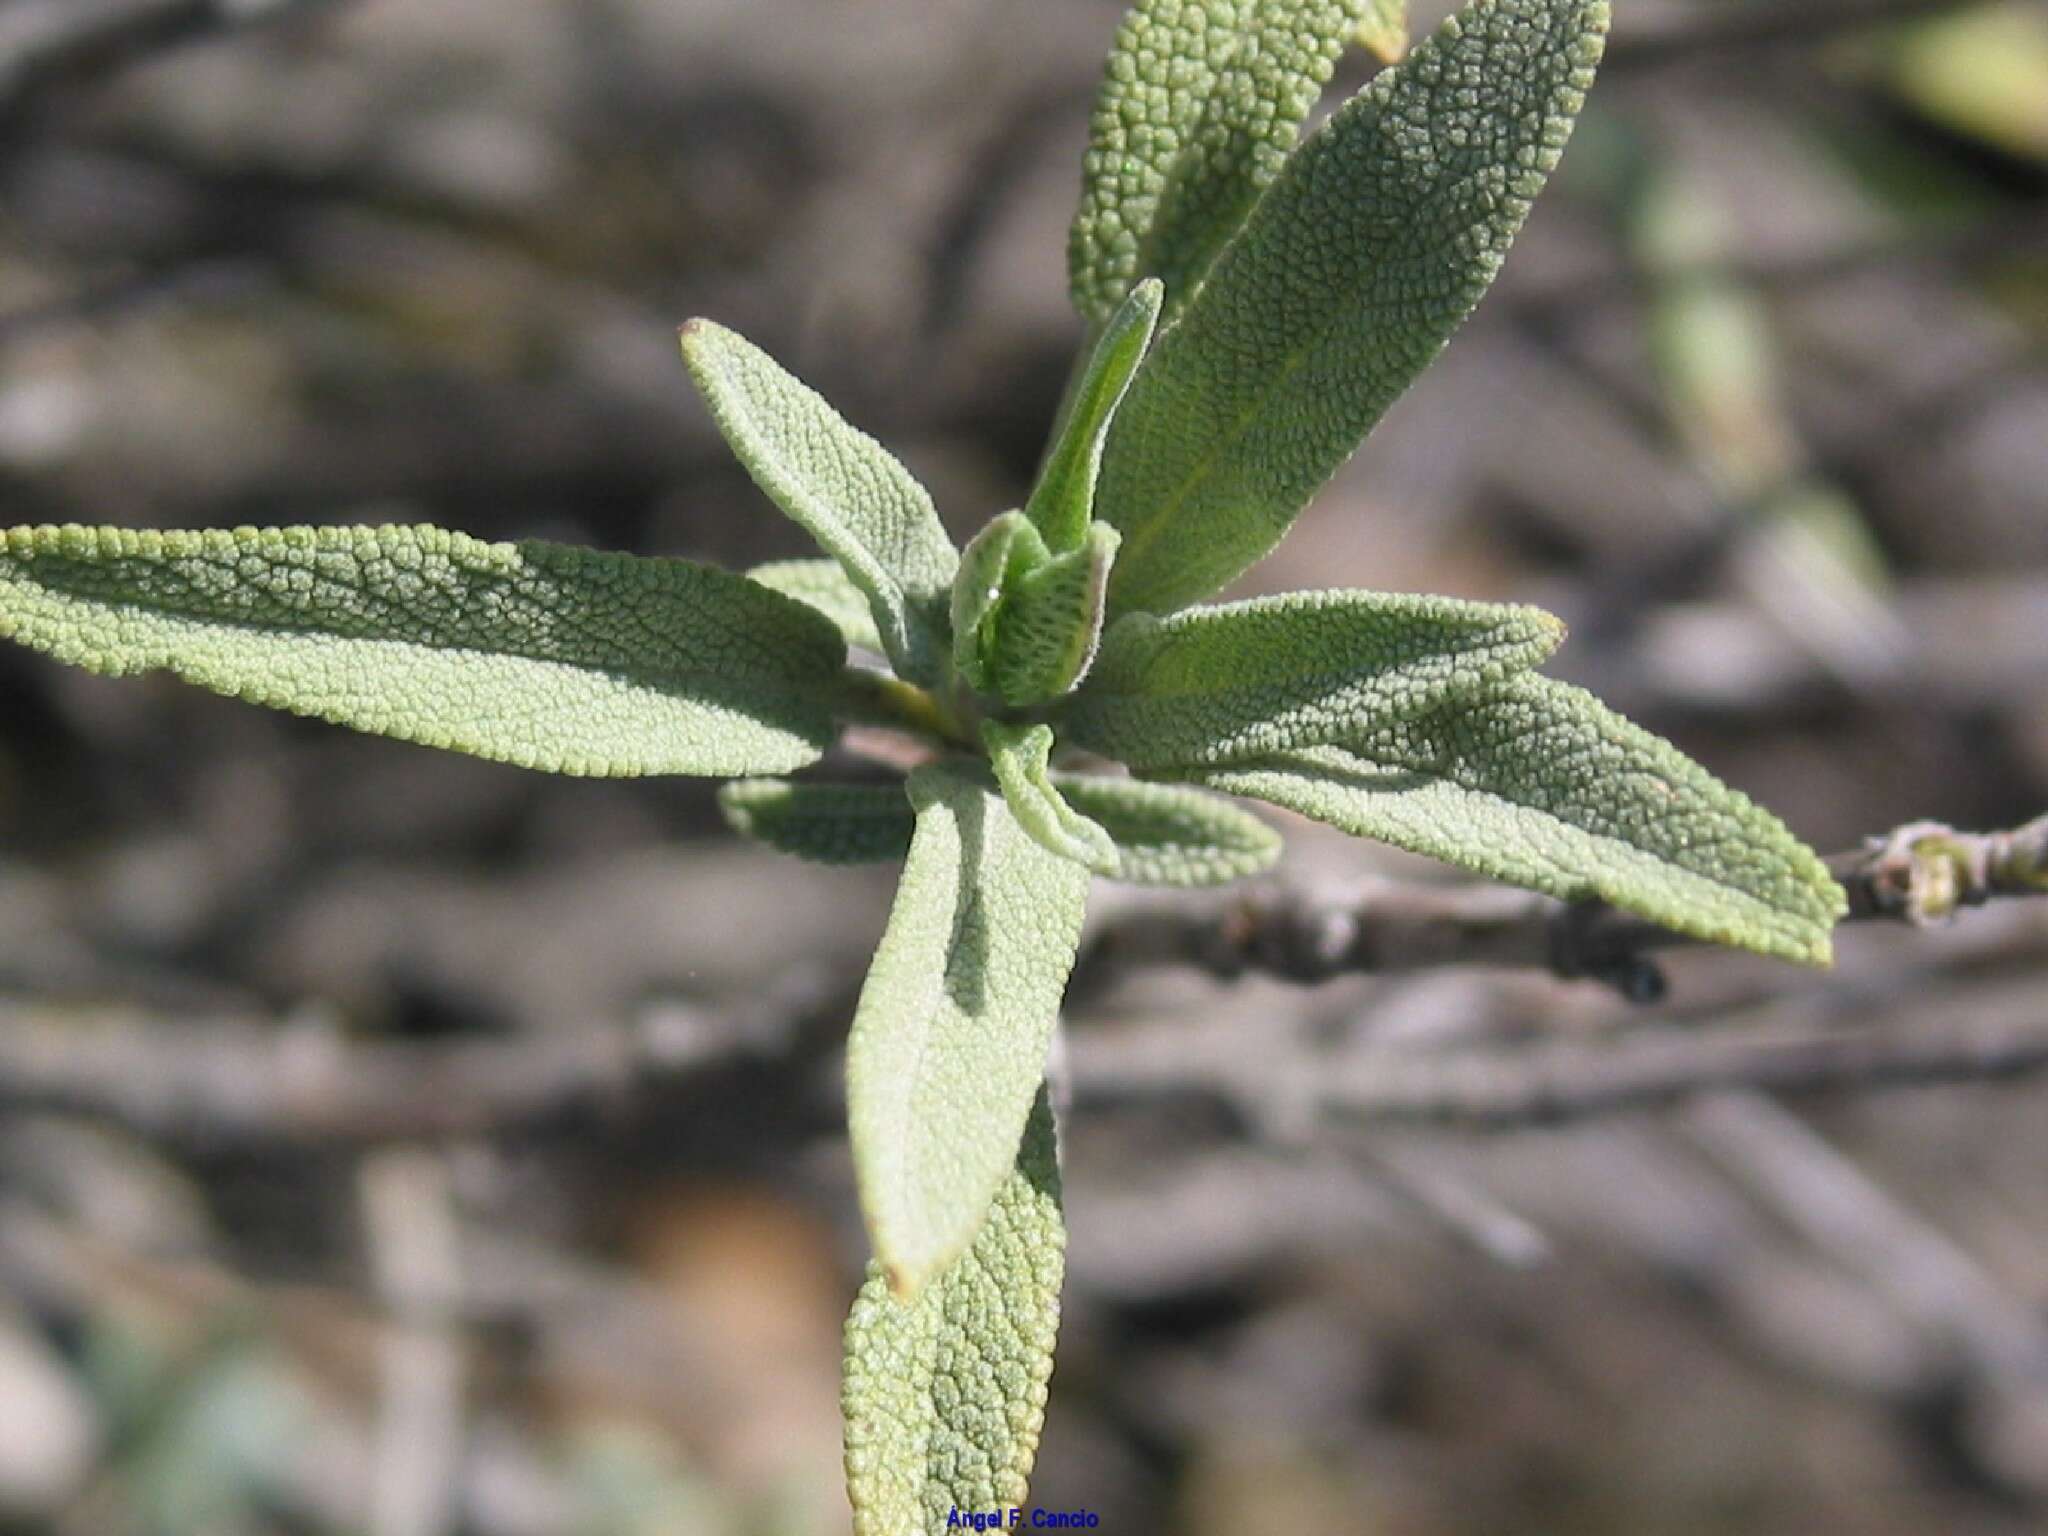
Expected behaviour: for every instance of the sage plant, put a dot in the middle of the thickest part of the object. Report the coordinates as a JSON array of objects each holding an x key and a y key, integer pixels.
[{"x": 1252, "y": 304}]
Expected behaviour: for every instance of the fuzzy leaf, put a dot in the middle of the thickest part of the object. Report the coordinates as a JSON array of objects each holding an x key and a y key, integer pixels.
[
  {"x": 1061, "y": 502},
  {"x": 1168, "y": 835},
  {"x": 1538, "y": 784},
  {"x": 1200, "y": 104},
  {"x": 847, "y": 491},
  {"x": 569, "y": 660},
  {"x": 1372, "y": 244},
  {"x": 826, "y": 823},
  {"x": 1043, "y": 636},
  {"x": 990, "y": 567},
  {"x": 1020, "y": 754},
  {"x": 1247, "y": 679},
  {"x": 825, "y": 586},
  {"x": 1383, "y": 30},
  {"x": 944, "y": 1396},
  {"x": 949, "y": 1040}
]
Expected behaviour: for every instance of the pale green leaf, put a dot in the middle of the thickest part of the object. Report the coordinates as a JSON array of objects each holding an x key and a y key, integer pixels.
[
  {"x": 1538, "y": 784},
  {"x": 825, "y": 586},
  {"x": 563, "y": 659},
  {"x": 1383, "y": 29},
  {"x": 1247, "y": 679},
  {"x": 1169, "y": 835},
  {"x": 990, "y": 567},
  {"x": 1020, "y": 755},
  {"x": 826, "y": 823},
  {"x": 1351, "y": 273},
  {"x": 847, "y": 491},
  {"x": 949, "y": 1040},
  {"x": 944, "y": 1396},
  {"x": 1042, "y": 637},
  {"x": 1201, "y": 102},
  {"x": 1061, "y": 502}
]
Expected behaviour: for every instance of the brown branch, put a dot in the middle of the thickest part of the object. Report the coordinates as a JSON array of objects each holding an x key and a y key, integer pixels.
[
  {"x": 222, "y": 1083},
  {"x": 1985, "y": 1035},
  {"x": 45, "y": 42},
  {"x": 1921, "y": 874}
]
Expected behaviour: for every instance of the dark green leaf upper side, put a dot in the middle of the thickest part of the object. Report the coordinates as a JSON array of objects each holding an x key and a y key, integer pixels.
[{"x": 1373, "y": 243}]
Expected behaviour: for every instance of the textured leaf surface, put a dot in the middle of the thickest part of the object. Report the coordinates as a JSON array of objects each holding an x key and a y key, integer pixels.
[
  {"x": 944, "y": 1395},
  {"x": 550, "y": 657},
  {"x": 1061, "y": 502},
  {"x": 826, "y": 823},
  {"x": 825, "y": 586},
  {"x": 1383, "y": 29},
  {"x": 1539, "y": 784},
  {"x": 1020, "y": 754},
  {"x": 1200, "y": 103},
  {"x": 990, "y": 567},
  {"x": 1169, "y": 835},
  {"x": 1043, "y": 636},
  {"x": 1351, "y": 273},
  {"x": 1245, "y": 679},
  {"x": 847, "y": 491},
  {"x": 949, "y": 1041}
]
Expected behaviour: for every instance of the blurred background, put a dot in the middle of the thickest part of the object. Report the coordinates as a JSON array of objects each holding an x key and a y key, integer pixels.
[{"x": 399, "y": 1144}]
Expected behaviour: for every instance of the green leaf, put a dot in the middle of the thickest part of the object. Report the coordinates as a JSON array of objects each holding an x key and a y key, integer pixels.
[
  {"x": 1539, "y": 784},
  {"x": 1201, "y": 102},
  {"x": 1351, "y": 273},
  {"x": 1043, "y": 636},
  {"x": 862, "y": 507},
  {"x": 994, "y": 560},
  {"x": 1247, "y": 679},
  {"x": 1062, "y": 501},
  {"x": 825, "y": 586},
  {"x": 1383, "y": 30},
  {"x": 563, "y": 659},
  {"x": 1168, "y": 835},
  {"x": 826, "y": 823},
  {"x": 949, "y": 1040},
  {"x": 1020, "y": 755},
  {"x": 944, "y": 1395}
]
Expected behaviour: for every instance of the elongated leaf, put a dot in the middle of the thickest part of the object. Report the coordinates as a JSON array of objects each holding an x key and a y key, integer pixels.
[
  {"x": 1351, "y": 273},
  {"x": 1044, "y": 635},
  {"x": 1169, "y": 835},
  {"x": 826, "y": 823},
  {"x": 825, "y": 586},
  {"x": 944, "y": 1396},
  {"x": 1247, "y": 679},
  {"x": 1200, "y": 103},
  {"x": 847, "y": 491},
  {"x": 1539, "y": 784},
  {"x": 1064, "y": 497},
  {"x": 990, "y": 567},
  {"x": 949, "y": 1041},
  {"x": 563, "y": 659},
  {"x": 1020, "y": 755}
]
